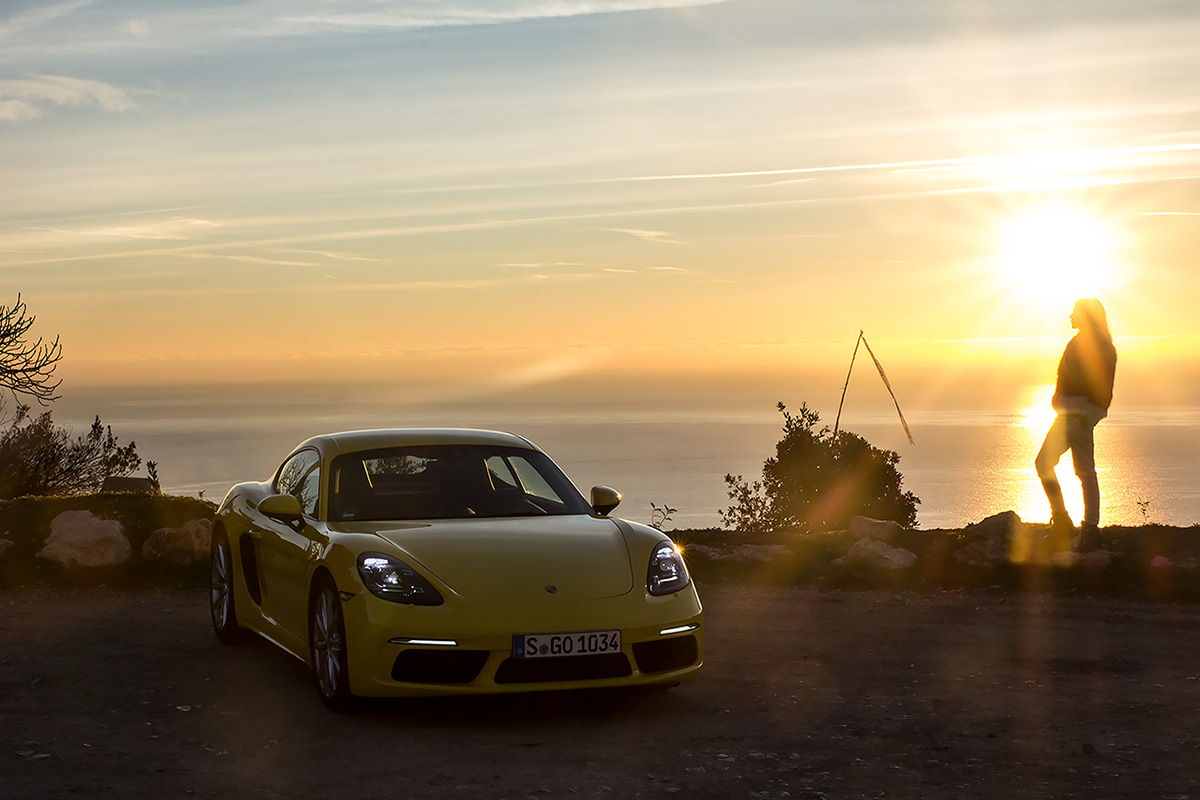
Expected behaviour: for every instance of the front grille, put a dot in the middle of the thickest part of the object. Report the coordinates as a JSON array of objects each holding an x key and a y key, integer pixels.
[
  {"x": 438, "y": 666},
  {"x": 571, "y": 668},
  {"x": 666, "y": 654}
]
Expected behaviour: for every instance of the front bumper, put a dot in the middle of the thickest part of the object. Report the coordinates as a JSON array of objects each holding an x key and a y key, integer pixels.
[{"x": 397, "y": 650}]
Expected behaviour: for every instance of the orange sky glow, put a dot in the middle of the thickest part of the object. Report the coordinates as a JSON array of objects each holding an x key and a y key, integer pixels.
[{"x": 696, "y": 200}]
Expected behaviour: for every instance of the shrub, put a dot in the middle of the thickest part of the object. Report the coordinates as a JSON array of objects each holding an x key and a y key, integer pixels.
[
  {"x": 38, "y": 458},
  {"x": 817, "y": 481}
]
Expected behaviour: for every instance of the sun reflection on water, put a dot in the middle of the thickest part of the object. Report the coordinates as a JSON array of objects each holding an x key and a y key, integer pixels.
[{"x": 1038, "y": 414}]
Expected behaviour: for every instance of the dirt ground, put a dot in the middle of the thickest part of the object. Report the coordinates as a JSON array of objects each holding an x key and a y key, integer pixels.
[{"x": 805, "y": 694}]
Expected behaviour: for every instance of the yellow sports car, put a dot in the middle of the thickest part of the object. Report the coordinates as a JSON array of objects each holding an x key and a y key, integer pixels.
[{"x": 419, "y": 562}]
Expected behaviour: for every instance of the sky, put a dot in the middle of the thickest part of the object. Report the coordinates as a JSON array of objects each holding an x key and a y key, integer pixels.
[{"x": 596, "y": 200}]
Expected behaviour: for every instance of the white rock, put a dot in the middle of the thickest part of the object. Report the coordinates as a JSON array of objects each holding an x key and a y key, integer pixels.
[
  {"x": 183, "y": 546},
  {"x": 82, "y": 538},
  {"x": 5, "y": 546},
  {"x": 874, "y": 553},
  {"x": 882, "y": 529}
]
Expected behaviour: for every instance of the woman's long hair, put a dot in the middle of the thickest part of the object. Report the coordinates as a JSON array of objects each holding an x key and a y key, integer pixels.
[{"x": 1093, "y": 319}]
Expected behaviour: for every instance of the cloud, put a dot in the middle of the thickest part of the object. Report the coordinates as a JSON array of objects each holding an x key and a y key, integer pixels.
[
  {"x": 18, "y": 111},
  {"x": 270, "y": 262},
  {"x": 540, "y": 264},
  {"x": 171, "y": 229},
  {"x": 36, "y": 17},
  {"x": 1007, "y": 160},
  {"x": 74, "y": 28},
  {"x": 416, "y": 15},
  {"x": 25, "y": 99},
  {"x": 248, "y": 288},
  {"x": 324, "y": 254},
  {"x": 646, "y": 236}
]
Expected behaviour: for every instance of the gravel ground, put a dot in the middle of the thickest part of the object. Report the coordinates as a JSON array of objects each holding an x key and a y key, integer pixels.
[{"x": 805, "y": 694}]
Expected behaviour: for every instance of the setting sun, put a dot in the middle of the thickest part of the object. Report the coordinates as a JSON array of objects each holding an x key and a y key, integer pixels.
[{"x": 1051, "y": 255}]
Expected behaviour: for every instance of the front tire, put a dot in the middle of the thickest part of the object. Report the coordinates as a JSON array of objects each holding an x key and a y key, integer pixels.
[
  {"x": 221, "y": 592},
  {"x": 327, "y": 647}
]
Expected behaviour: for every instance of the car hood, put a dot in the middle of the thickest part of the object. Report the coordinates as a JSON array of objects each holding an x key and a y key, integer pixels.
[{"x": 573, "y": 557}]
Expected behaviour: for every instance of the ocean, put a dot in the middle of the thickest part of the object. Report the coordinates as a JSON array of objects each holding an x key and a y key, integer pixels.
[{"x": 964, "y": 465}]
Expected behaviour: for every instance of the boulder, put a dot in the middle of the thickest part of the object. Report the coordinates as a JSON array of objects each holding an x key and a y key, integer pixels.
[
  {"x": 5, "y": 546},
  {"x": 883, "y": 530},
  {"x": 874, "y": 553},
  {"x": 184, "y": 546},
  {"x": 999, "y": 527},
  {"x": 998, "y": 539},
  {"x": 81, "y": 538}
]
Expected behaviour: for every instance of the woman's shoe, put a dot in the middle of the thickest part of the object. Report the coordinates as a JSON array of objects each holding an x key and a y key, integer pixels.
[{"x": 1089, "y": 537}]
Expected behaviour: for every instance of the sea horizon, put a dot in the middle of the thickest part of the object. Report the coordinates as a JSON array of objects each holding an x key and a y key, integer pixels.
[{"x": 965, "y": 464}]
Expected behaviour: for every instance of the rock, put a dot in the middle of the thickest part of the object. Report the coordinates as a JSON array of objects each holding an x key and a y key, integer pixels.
[
  {"x": 1161, "y": 562},
  {"x": 1065, "y": 558},
  {"x": 874, "y": 553},
  {"x": 982, "y": 553},
  {"x": 5, "y": 546},
  {"x": 1096, "y": 560},
  {"x": 81, "y": 538},
  {"x": 998, "y": 539},
  {"x": 1002, "y": 527},
  {"x": 883, "y": 530},
  {"x": 183, "y": 546}
]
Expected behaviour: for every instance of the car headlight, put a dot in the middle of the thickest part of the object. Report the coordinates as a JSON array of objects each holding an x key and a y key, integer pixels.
[
  {"x": 667, "y": 573},
  {"x": 394, "y": 580}
]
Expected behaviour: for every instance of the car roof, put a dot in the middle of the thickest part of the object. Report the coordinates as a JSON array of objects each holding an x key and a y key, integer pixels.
[{"x": 332, "y": 444}]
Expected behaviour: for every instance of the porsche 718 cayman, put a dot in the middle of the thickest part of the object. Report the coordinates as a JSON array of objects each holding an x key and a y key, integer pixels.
[{"x": 417, "y": 562}]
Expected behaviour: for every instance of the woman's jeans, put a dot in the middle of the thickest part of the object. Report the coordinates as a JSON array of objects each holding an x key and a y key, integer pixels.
[{"x": 1072, "y": 430}]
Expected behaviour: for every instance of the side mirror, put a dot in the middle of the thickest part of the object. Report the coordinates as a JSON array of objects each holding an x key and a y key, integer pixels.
[
  {"x": 283, "y": 507},
  {"x": 605, "y": 499}
]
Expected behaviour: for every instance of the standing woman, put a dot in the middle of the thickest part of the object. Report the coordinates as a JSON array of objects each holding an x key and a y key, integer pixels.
[{"x": 1082, "y": 396}]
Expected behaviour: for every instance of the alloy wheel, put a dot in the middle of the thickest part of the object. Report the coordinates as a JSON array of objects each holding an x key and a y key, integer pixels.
[
  {"x": 221, "y": 590},
  {"x": 327, "y": 644}
]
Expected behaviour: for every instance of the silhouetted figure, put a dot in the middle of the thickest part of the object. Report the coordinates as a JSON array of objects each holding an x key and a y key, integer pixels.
[{"x": 1082, "y": 396}]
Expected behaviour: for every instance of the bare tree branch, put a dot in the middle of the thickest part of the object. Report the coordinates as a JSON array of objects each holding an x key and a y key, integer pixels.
[{"x": 26, "y": 368}]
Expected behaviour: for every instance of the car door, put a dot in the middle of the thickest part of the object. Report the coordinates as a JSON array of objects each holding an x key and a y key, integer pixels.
[{"x": 287, "y": 547}]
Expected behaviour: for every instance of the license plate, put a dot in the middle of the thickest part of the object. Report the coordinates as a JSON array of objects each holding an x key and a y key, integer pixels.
[{"x": 558, "y": 645}]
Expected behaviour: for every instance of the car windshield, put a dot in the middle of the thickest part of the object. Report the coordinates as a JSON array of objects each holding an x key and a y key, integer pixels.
[{"x": 449, "y": 482}]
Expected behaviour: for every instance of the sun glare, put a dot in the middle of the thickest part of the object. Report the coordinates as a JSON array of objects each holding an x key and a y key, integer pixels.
[
  {"x": 1038, "y": 414},
  {"x": 1052, "y": 255}
]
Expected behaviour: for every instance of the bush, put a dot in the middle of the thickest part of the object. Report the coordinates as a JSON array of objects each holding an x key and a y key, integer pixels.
[
  {"x": 817, "y": 481},
  {"x": 37, "y": 458}
]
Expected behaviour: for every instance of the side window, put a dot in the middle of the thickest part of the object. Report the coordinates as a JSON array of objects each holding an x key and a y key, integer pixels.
[
  {"x": 300, "y": 476},
  {"x": 502, "y": 477},
  {"x": 532, "y": 480}
]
